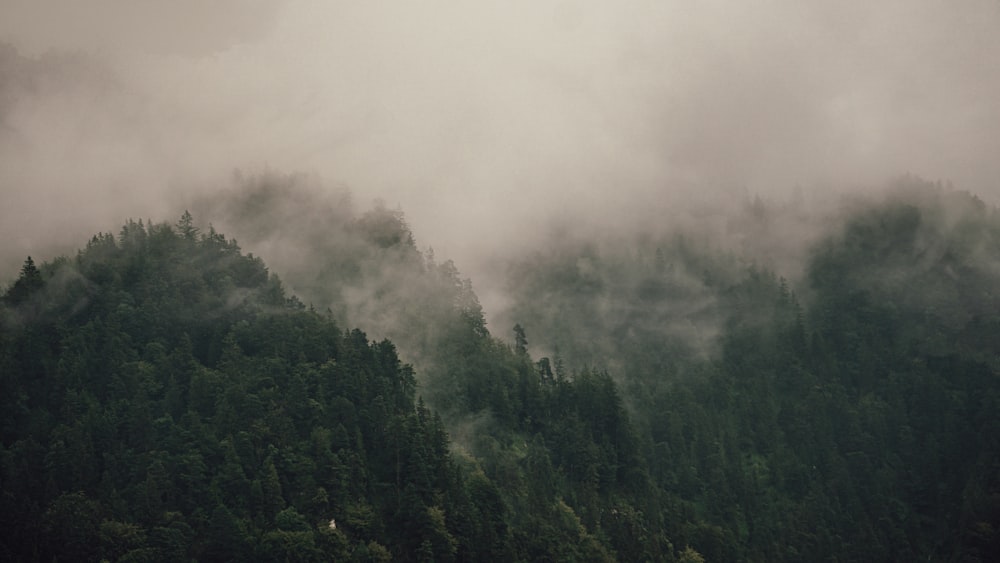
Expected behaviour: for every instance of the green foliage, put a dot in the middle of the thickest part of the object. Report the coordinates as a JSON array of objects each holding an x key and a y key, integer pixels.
[
  {"x": 848, "y": 425},
  {"x": 163, "y": 398},
  {"x": 28, "y": 283}
]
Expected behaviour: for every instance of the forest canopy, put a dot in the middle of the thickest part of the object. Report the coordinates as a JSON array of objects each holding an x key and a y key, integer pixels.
[{"x": 165, "y": 396}]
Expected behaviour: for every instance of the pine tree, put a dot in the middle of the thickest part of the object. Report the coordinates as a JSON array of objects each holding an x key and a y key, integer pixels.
[
  {"x": 520, "y": 340},
  {"x": 186, "y": 226},
  {"x": 29, "y": 282}
]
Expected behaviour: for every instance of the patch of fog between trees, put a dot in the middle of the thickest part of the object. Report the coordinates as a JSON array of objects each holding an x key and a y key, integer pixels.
[{"x": 309, "y": 234}]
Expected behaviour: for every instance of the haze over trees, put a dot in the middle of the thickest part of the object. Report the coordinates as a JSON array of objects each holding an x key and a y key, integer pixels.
[
  {"x": 166, "y": 396},
  {"x": 634, "y": 289}
]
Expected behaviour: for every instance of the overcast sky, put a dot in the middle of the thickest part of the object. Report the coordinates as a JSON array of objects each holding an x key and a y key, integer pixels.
[{"x": 485, "y": 120}]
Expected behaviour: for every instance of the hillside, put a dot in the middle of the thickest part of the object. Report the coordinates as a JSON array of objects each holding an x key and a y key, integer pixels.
[
  {"x": 164, "y": 399},
  {"x": 664, "y": 397},
  {"x": 851, "y": 413}
]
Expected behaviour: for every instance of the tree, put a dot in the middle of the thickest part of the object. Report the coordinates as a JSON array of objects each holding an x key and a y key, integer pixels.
[
  {"x": 186, "y": 228},
  {"x": 27, "y": 284},
  {"x": 71, "y": 526},
  {"x": 273, "y": 499},
  {"x": 227, "y": 537},
  {"x": 520, "y": 341},
  {"x": 689, "y": 555}
]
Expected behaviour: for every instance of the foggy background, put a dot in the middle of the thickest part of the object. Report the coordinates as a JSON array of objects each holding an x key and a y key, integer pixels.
[{"x": 487, "y": 125}]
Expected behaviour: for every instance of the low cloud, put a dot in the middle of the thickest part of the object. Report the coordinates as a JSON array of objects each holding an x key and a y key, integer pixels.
[{"x": 488, "y": 125}]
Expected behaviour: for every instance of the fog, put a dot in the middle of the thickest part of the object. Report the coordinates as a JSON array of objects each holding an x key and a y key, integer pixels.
[{"x": 487, "y": 125}]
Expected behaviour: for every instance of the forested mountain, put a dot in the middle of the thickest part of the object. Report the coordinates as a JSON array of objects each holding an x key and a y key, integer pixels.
[
  {"x": 164, "y": 397},
  {"x": 857, "y": 421}
]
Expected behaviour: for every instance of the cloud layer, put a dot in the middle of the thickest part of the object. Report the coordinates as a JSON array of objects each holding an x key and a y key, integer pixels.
[{"x": 486, "y": 124}]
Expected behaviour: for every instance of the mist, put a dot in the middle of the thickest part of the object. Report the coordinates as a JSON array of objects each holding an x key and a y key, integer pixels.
[{"x": 490, "y": 127}]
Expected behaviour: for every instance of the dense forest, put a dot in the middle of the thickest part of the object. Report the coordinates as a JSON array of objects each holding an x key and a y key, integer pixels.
[{"x": 660, "y": 397}]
